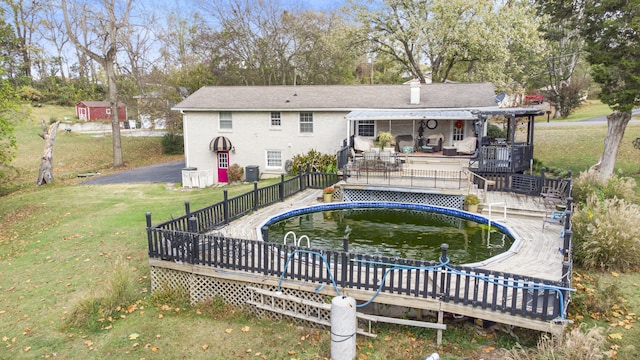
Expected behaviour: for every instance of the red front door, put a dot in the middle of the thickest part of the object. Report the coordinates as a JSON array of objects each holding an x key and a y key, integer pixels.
[{"x": 223, "y": 166}]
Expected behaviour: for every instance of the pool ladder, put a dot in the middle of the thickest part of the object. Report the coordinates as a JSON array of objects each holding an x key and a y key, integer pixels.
[{"x": 296, "y": 241}]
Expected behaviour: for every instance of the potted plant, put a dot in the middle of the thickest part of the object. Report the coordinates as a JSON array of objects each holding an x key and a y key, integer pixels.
[
  {"x": 384, "y": 139},
  {"x": 471, "y": 202},
  {"x": 327, "y": 194}
]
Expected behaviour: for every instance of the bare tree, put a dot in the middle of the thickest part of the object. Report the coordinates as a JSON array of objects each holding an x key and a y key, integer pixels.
[
  {"x": 45, "y": 175},
  {"x": 52, "y": 30},
  {"x": 108, "y": 19}
]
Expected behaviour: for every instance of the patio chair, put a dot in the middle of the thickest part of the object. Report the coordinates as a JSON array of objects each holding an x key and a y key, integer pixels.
[
  {"x": 434, "y": 143},
  {"x": 555, "y": 193},
  {"x": 556, "y": 217}
]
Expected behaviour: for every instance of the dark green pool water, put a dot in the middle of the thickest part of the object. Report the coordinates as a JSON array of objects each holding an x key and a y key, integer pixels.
[{"x": 401, "y": 233}]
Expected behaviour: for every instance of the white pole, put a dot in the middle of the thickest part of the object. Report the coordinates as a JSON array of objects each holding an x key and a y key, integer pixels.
[{"x": 343, "y": 328}]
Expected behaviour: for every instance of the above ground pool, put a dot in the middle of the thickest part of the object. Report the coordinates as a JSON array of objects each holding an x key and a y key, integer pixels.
[{"x": 411, "y": 231}]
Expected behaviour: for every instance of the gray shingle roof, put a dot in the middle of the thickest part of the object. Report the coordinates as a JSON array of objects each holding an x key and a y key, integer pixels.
[{"x": 337, "y": 97}]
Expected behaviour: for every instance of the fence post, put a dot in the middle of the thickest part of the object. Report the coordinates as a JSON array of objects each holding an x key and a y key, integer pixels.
[
  {"x": 308, "y": 176},
  {"x": 225, "y": 205},
  {"x": 149, "y": 237},
  {"x": 193, "y": 239},
  {"x": 187, "y": 208},
  {"x": 443, "y": 259},
  {"x": 542, "y": 179},
  {"x": 265, "y": 246},
  {"x": 300, "y": 178},
  {"x": 255, "y": 196},
  {"x": 281, "y": 188},
  {"x": 345, "y": 255}
]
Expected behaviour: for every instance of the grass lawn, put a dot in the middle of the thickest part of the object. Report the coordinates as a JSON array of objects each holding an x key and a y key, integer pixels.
[{"x": 61, "y": 243}]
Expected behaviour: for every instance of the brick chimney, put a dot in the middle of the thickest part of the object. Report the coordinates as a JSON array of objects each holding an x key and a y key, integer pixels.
[{"x": 415, "y": 93}]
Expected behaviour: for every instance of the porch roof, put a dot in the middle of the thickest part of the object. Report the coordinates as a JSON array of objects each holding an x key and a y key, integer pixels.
[
  {"x": 417, "y": 114},
  {"x": 439, "y": 114}
]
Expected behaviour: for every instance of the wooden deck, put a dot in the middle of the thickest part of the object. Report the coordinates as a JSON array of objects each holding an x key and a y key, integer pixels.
[{"x": 535, "y": 253}]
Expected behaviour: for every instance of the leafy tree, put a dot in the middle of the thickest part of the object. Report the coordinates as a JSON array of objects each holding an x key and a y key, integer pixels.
[
  {"x": 612, "y": 32},
  {"x": 564, "y": 78},
  {"x": 453, "y": 37},
  {"x": 8, "y": 115}
]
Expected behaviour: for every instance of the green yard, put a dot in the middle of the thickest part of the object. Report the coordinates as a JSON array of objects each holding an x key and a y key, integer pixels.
[{"x": 60, "y": 243}]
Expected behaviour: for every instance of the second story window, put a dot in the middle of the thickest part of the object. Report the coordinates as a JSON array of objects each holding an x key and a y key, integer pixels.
[
  {"x": 276, "y": 119},
  {"x": 225, "y": 121},
  {"x": 306, "y": 123}
]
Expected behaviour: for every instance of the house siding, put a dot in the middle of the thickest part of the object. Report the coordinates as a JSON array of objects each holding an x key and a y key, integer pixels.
[{"x": 252, "y": 135}]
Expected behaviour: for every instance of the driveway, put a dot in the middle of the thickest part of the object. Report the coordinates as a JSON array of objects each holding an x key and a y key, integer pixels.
[{"x": 170, "y": 172}]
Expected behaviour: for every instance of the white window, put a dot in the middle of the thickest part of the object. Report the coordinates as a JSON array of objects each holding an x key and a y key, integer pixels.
[
  {"x": 306, "y": 123},
  {"x": 274, "y": 159},
  {"x": 366, "y": 128},
  {"x": 108, "y": 111},
  {"x": 276, "y": 119},
  {"x": 225, "y": 121}
]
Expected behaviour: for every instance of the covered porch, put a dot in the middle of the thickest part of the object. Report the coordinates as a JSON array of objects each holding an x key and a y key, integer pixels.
[{"x": 435, "y": 137}]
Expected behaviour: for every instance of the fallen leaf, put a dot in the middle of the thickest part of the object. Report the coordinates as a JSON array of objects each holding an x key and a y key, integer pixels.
[
  {"x": 245, "y": 328},
  {"x": 155, "y": 348},
  {"x": 134, "y": 336},
  {"x": 615, "y": 336},
  {"x": 228, "y": 331},
  {"x": 205, "y": 347},
  {"x": 291, "y": 352},
  {"x": 614, "y": 274}
]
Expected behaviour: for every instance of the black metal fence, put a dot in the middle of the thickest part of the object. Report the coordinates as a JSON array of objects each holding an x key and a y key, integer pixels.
[
  {"x": 183, "y": 240},
  {"x": 523, "y": 183},
  {"x": 498, "y": 291},
  {"x": 221, "y": 213}
]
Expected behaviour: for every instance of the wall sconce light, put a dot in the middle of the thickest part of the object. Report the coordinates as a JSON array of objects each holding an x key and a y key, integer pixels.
[{"x": 233, "y": 149}]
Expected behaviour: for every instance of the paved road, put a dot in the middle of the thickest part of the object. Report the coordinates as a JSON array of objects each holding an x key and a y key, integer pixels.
[{"x": 159, "y": 173}]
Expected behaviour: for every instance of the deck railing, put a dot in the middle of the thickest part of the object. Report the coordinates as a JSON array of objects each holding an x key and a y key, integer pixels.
[
  {"x": 522, "y": 183},
  {"x": 221, "y": 213},
  {"x": 497, "y": 291},
  {"x": 389, "y": 170},
  {"x": 183, "y": 240},
  {"x": 504, "y": 159}
]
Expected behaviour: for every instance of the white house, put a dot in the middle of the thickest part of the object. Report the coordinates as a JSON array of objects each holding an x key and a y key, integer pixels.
[{"x": 264, "y": 126}]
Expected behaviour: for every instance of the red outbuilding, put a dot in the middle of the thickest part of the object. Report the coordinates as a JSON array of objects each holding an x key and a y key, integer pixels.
[{"x": 98, "y": 110}]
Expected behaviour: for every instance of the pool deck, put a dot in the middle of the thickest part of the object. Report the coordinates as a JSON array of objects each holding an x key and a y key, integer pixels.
[{"x": 537, "y": 254}]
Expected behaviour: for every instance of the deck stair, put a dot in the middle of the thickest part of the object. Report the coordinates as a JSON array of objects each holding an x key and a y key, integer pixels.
[{"x": 320, "y": 313}]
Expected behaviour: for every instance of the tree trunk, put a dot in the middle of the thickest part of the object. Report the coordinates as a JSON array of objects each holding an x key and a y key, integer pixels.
[
  {"x": 616, "y": 125},
  {"x": 45, "y": 175},
  {"x": 115, "y": 123}
]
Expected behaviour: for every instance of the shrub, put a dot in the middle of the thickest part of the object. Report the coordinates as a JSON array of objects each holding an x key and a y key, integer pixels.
[
  {"x": 577, "y": 344},
  {"x": 318, "y": 161},
  {"x": 471, "y": 199},
  {"x": 589, "y": 182},
  {"x": 606, "y": 234},
  {"x": 30, "y": 93},
  {"x": 495, "y": 132},
  {"x": 235, "y": 172},
  {"x": 119, "y": 291},
  {"x": 172, "y": 144}
]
